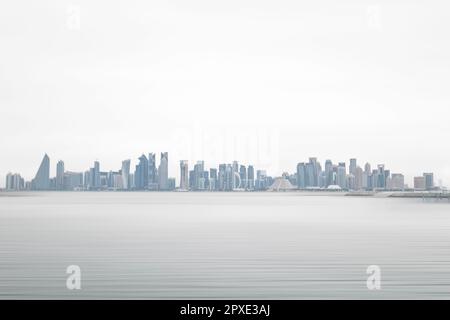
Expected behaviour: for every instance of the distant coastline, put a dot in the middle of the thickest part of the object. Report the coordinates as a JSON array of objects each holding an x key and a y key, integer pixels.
[{"x": 443, "y": 194}]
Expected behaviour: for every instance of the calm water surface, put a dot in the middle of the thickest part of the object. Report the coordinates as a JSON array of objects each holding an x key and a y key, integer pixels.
[{"x": 222, "y": 245}]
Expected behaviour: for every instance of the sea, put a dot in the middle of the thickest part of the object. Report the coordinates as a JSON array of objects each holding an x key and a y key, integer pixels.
[{"x": 236, "y": 245}]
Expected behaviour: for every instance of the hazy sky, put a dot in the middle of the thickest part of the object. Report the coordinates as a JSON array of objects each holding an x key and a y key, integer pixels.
[{"x": 266, "y": 82}]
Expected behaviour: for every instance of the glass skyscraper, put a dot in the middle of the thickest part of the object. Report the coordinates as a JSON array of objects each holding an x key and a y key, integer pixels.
[
  {"x": 42, "y": 179},
  {"x": 184, "y": 175},
  {"x": 163, "y": 172}
]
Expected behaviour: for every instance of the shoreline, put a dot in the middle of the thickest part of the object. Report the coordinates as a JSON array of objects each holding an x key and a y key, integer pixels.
[{"x": 324, "y": 193}]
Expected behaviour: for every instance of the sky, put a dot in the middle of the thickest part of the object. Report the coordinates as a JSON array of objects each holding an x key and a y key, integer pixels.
[{"x": 269, "y": 83}]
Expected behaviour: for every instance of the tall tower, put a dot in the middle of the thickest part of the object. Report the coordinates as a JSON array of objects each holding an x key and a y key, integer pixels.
[
  {"x": 222, "y": 177},
  {"x": 97, "y": 181},
  {"x": 60, "y": 175},
  {"x": 141, "y": 173},
  {"x": 235, "y": 168},
  {"x": 381, "y": 182},
  {"x": 163, "y": 171},
  {"x": 213, "y": 182},
  {"x": 353, "y": 166},
  {"x": 342, "y": 175},
  {"x": 251, "y": 177},
  {"x": 301, "y": 175},
  {"x": 199, "y": 180},
  {"x": 152, "y": 171},
  {"x": 313, "y": 169},
  {"x": 328, "y": 173},
  {"x": 184, "y": 175},
  {"x": 229, "y": 178},
  {"x": 125, "y": 174},
  {"x": 429, "y": 180},
  {"x": 42, "y": 179},
  {"x": 243, "y": 176}
]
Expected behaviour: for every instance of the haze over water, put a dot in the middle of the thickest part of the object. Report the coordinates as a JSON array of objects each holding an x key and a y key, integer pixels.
[{"x": 222, "y": 245}]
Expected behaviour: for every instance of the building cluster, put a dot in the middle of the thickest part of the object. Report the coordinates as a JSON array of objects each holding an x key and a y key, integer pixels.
[
  {"x": 147, "y": 175},
  {"x": 311, "y": 175},
  {"x": 227, "y": 177},
  {"x": 14, "y": 182}
]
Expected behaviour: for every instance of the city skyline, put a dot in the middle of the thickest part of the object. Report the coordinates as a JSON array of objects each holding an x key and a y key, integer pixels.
[
  {"x": 216, "y": 153},
  {"x": 147, "y": 175}
]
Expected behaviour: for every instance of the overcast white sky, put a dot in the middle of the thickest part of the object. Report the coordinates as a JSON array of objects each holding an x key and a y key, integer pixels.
[{"x": 264, "y": 82}]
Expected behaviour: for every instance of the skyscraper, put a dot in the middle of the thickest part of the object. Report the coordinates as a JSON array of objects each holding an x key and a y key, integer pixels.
[
  {"x": 86, "y": 179},
  {"x": 229, "y": 178},
  {"x": 301, "y": 175},
  {"x": 261, "y": 180},
  {"x": 222, "y": 176},
  {"x": 367, "y": 177},
  {"x": 381, "y": 177},
  {"x": 60, "y": 175},
  {"x": 199, "y": 181},
  {"x": 342, "y": 175},
  {"x": 163, "y": 171},
  {"x": 205, "y": 180},
  {"x": 310, "y": 175},
  {"x": 243, "y": 176},
  {"x": 328, "y": 173},
  {"x": 42, "y": 179},
  {"x": 235, "y": 175},
  {"x": 141, "y": 173},
  {"x": 359, "y": 178},
  {"x": 9, "y": 181},
  {"x": 14, "y": 182},
  {"x": 152, "y": 171},
  {"x": 351, "y": 182},
  {"x": 429, "y": 180},
  {"x": 353, "y": 165},
  {"x": 213, "y": 181},
  {"x": 313, "y": 170},
  {"x": 125, "y": 174},
  {"x": 73, "y": 180},
  {"x": 184, "y": 175},
  {"x": 171, "y": 184},
  {"x": 250, "y": 178},
  {"x": 398, "y": 181},
  {"x": 419, "y": 183},
  {"x": 213, "y": 173},
  {"x": 97, "y": 179},
  {"x": 387, "y": 178},
  {"x": 192, "y": 180}
]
